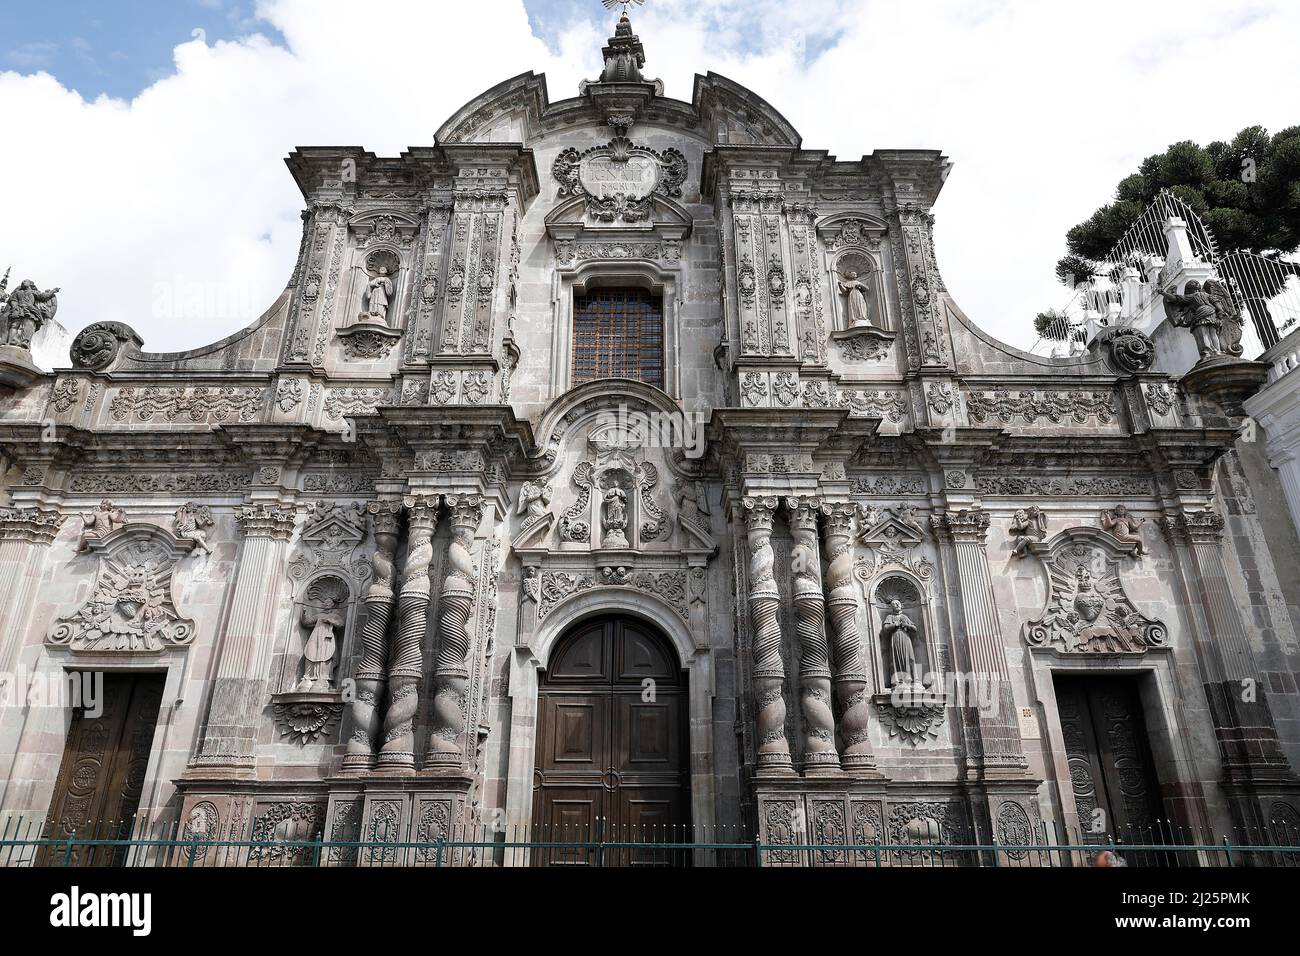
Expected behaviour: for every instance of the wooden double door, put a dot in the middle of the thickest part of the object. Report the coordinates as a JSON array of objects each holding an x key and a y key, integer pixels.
[
  {"x": 102, "y": 775},
  {"x": 1111, "y": 770},
  {"x": 611, "y": 745}
]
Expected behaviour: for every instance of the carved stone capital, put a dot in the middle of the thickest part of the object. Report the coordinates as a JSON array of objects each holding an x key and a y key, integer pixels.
[
  {"x": 804, "y": 512},
  {"x": 266, "y": 521},
  {"x": 759, "y": 512},
  {"x": 385, "y": 516},
  {"x": 839, "y": 519},
  {"x": 37, "y": 525},
  {"x": 422, "y": 510},
  {"x": 1197, "y": 527},
  {"x": 466, "y": 510},
  {"x": 967, "y": 526}
]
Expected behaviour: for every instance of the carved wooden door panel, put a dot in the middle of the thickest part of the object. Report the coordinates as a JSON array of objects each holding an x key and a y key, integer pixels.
[
  {"x": 611, "y": 759},
  {"x": 102, "y": 774},
  {"x": 1111, "y": 770}
]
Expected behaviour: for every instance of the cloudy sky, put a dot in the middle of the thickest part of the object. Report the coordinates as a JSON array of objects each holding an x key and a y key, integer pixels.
[{"x": 143, "y": 141}]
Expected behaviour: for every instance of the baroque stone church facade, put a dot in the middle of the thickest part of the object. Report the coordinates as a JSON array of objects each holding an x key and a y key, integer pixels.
[{"x": 621, "y": 458}]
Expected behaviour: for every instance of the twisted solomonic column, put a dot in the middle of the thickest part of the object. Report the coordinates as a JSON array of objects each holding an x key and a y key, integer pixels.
[
  {"x": 397, "y": 752},
  {"x": 360, "y": 756},
  {"x": 842, "y": 607},
  {"x": 769, "y": 671},
  {"x": 446, "y": 745},
  {"x": 820, "y": 756}
]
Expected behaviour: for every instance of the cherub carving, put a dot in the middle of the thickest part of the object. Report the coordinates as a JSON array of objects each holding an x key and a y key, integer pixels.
[
  {"x": 1124, "y": 526},
  {"x": 535, "y": 499},
  {"x": 190, "y": 522},
  {"x": 1029, "y": 525},
  {"x": 693, "y": 501},
  {"x": 100, "y": 523}
]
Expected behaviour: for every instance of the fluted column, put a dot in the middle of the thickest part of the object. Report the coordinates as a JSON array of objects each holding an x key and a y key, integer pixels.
[
  {"x": 850, "y": 674},
  {"x": 397, "y": 752},
  {"x": 773, "y": 749},
  {"x": 25, "y": 536},
  {"x": 1243, "y": 720},
  {"x": 239, "y": 688},
  {"x": 814, "y": 650},
  {"x": 963, "y": 533},
  {"x": 372, "y": 668},
  {"x": 455, "y": 600}
]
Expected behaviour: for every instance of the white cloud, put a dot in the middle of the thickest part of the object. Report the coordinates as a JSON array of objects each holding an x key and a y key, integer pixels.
[{"x": 180, "y": 196}]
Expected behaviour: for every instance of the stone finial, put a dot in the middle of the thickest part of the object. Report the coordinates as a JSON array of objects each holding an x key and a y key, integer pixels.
[{"x": 624, "y": 55}]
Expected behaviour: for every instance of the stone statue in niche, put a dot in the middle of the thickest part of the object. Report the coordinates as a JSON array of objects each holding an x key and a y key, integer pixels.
[
  {"x": 898, "y": 629},
  {"x": 25, "y": 310},
  {"x": 100, "y": 523},
  {"x": 379, "y": 291},
  {"x": 857, "y": 291},
  {"x": 190, "y": 523},
  {"x": 1029, "y": 526},
  {"x": 614, "y": 521},
  {"x": 323, "y": 617},
  {"x": 1124, "y": 526}
]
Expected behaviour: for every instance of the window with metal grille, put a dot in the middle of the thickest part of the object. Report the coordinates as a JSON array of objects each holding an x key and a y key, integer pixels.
[{"x": 618, "y": 333}]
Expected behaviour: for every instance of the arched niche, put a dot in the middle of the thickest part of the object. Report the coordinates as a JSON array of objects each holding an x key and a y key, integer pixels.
[
  {"x": 324, "y": 601},
  {"x": 913, "y": 593}
]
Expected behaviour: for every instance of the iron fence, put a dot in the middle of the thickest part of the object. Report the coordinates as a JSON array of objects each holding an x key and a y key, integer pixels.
[{"x": 136, "y": 843}]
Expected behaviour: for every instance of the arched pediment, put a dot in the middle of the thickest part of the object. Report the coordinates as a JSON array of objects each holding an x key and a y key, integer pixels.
[
  {"x": 590, "y": 399},
  {"x": 735, "y": 115},
  {"x": 522, "y": 97}
]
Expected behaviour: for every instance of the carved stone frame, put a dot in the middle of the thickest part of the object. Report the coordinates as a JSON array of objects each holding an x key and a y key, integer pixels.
[
  {"x": 657, "y": 277},
  {"x": 532, "y": 654}
]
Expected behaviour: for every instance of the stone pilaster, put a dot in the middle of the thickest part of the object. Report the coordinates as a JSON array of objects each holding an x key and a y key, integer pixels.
[
  {"x": 371, "y": 674},
  {"x": 397, "y": 752},
  {"x": 773, "y": 750},
  {"x": 814, "y": 650},
  {"x": 239, "y": 689},
  {"x": 1243, "y": 721},
  {"x": 455, "y": 601},
  {"x": 962, "y": 536},
  {"x": 850, "y": 675},
  {"x": 25, "y": 536}
]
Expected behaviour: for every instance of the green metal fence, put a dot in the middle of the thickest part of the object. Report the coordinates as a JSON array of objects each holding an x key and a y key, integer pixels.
[{"x": 136, "y": 844}]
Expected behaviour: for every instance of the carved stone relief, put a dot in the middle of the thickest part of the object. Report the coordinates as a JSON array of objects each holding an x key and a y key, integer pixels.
[{"x": 131, "y": 608}]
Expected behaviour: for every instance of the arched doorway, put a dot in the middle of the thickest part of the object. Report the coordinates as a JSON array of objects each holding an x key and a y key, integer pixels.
[{"x": 612, "y": 759}]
